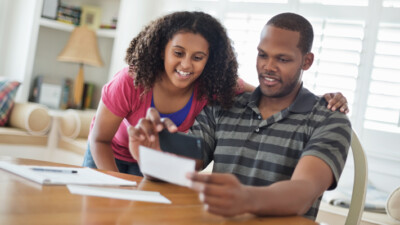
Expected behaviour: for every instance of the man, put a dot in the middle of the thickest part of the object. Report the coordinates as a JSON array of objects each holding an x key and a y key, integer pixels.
[{"x": 277, "y": 149}]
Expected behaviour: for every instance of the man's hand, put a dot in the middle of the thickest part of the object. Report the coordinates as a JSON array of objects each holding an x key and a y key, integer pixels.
[
  {"x": 222, "y": 194},
  {"x": 146, "y": 132},
  {"x": 337, "y": 101}
]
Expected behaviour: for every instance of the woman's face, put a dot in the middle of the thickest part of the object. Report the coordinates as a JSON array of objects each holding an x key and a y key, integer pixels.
[{"x": 185, "y": 57}]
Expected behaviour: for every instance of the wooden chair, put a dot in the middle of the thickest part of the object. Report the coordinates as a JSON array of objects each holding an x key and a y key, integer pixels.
[
  {"x": 337, "y": 215},
  {"x": 360, "y": 182}
]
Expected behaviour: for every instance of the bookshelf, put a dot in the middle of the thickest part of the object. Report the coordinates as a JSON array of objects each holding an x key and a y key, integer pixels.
[
  {"x": 52, "y": 36},
  {"x": 30, "y": 46},
  {"x": 54, "y": 24}
]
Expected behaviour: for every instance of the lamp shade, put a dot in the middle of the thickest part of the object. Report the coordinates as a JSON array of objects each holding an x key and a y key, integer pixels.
[{"x": 82, "y": 48}]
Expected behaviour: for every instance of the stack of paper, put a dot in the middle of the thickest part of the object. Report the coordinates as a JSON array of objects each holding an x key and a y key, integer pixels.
[
  {"x": 75, "y": 178},
  {"x": 51, "y": 175}
]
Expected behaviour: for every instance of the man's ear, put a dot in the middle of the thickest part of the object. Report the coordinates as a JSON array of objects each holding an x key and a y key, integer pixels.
[{"x": 308, "y": 61}]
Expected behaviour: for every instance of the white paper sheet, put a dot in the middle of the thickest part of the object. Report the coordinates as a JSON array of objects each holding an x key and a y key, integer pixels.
[
  {"x": 125, "y": 194},
  {"x": 84, "y": 176},
  {"x": 166, "y": 166}
]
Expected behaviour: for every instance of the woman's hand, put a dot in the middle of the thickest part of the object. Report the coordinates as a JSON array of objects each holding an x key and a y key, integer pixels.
[
  {"x": 145, "y": 132},
  {"x": 336, "y": 101}
]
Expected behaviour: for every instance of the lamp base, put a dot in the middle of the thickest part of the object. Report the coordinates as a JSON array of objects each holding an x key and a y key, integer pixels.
[{"x": 78, "y": 87}]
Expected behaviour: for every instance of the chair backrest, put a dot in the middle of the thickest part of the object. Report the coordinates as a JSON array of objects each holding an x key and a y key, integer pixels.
[{"x": 360, "y": 182}]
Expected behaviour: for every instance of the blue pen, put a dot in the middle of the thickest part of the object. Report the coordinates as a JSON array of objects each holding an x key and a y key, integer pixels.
[{"x": 54, "y": 170}]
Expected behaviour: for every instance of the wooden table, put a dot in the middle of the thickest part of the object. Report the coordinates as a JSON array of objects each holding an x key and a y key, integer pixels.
[{"x": 25, "y": 202}]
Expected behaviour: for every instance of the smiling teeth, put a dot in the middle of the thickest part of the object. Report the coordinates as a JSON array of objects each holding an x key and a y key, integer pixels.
[
  {"x": 269, "y": 79},
  {"x": 183, "y": 73}
]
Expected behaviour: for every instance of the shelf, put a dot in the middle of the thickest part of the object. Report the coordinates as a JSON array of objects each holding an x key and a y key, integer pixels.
[{"x": 107, "y": 33}]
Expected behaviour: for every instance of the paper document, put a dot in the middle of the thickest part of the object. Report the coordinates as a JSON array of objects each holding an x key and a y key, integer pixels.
[
  {"x": 53, "y": 175},
  {"x": 134, "y": 195},
  {"x": 166, "y": 166}
]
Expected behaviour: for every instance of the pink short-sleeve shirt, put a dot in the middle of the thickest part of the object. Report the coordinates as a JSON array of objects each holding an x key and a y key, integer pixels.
[{"x": 125, "y": 100}]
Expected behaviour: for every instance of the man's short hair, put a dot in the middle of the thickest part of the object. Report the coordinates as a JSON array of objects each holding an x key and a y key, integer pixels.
[{"x": 295, "y": 22}]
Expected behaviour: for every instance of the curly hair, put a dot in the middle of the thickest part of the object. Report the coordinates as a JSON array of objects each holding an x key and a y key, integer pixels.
[{"x": 217, "y": 82}]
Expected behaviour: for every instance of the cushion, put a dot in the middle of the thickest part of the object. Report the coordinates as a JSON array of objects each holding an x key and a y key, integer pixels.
[
  {"x": 393, "y": 205},
  {"x": 76, "y": 123},
  {"x": 32, "y": 117},
  {"x": 8, "y": 89}
]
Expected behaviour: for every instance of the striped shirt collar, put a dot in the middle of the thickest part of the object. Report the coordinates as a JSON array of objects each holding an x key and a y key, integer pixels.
[{"x": 304, "y": 102}]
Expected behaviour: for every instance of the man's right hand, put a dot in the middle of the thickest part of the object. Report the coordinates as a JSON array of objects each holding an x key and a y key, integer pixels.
[{"x": 145, "y": 132}]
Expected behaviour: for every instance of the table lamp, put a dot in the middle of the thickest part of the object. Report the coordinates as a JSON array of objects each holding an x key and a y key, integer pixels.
[{"x": 81, "y": 48}]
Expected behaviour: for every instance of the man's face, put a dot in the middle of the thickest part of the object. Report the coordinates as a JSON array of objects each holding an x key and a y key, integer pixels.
[{"x": 280, "y": 62}]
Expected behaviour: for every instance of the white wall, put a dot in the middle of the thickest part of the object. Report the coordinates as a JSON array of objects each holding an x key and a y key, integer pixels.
[
  {"x": 133, "y": 16},
  {"x": 18, "y": 33},
  {"x": 3, "y": 17}
]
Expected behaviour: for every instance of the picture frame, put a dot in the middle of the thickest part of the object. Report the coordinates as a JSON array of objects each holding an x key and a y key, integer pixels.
[
  {"x": 90, "y": 16},
  {"x": 50, "y": 95},
  {"x": 50, "y": 9}
]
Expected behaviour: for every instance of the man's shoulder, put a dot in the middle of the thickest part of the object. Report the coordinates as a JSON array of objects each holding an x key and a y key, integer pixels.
[
  {"x": 242, "y": 99},
  {"x": 320, "y": 110},
  {"x": 239, "y": 101}
]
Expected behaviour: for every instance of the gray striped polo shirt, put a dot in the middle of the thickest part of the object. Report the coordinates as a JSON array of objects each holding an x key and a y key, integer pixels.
[{"x": 260, "y": 152}]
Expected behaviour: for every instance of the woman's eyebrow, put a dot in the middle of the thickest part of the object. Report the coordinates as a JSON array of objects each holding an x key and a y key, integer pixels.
[{"x": 178, "y": 46}]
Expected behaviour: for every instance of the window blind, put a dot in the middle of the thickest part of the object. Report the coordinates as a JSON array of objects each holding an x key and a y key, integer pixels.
[
  {"x": 260, "y": 1},
  {"x": 244, "y": 29},
  {"x": 337, "y": 48},
  {"x": 383, "y": 105},
  {"x": 391, "y": 3},
  {"x": 338, "y": 2}
]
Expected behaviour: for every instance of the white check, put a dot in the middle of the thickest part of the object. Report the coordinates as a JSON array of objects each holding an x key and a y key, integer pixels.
[{"x": 166, "y": 166}]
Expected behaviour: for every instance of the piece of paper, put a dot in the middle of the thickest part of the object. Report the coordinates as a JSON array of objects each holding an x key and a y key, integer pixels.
[
  {"x": 50, "y": 176},
  {"x": 125, "y": 194},
  {"x": 166, "y": 166}
]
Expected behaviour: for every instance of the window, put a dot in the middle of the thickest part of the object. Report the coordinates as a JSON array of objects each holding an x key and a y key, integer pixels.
[
  {"x": 337, "y": 48},
  {"x": 391, "y": 3},
  {"x": 244, "y": 30},
  {"x": 383, "y": 105},
  {"x": 338, "y": 2}
]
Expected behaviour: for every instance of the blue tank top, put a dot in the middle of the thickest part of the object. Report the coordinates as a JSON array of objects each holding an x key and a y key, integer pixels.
[{"x": 179, "y": 116}]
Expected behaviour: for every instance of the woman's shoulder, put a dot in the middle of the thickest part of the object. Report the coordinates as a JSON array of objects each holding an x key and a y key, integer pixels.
[
  {"x": 122, "y": 81},
  {"x": 126, "y": 78},
  {"x": 121, "y": 94},
  {"x": 124, "y": 74}
]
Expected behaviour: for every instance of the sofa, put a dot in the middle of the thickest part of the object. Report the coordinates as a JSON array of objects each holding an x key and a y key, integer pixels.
[{"x": 35, "y": 125}]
